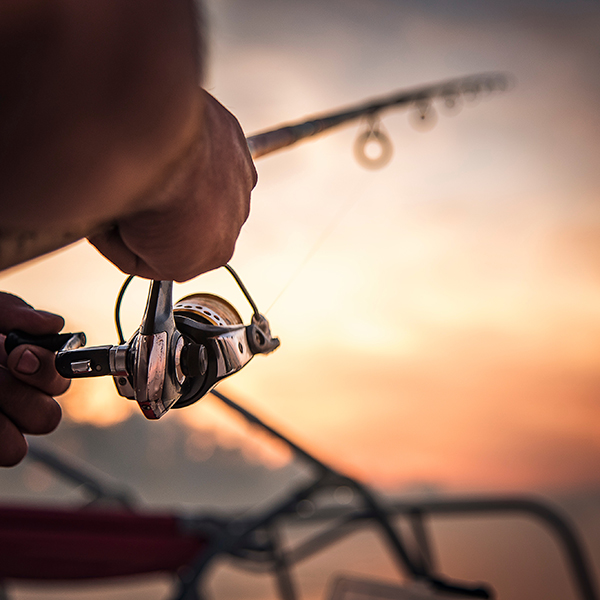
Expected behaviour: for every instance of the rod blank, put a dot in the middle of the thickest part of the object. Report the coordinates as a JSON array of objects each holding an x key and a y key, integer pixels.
[{"x": 266, "y": 142}]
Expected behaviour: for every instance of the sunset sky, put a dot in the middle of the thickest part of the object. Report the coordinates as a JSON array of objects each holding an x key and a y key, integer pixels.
[{"x": 445, "y": 325}]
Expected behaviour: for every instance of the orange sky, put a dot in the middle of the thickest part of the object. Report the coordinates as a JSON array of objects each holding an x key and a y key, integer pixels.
[{"x": 447, "y": 331}]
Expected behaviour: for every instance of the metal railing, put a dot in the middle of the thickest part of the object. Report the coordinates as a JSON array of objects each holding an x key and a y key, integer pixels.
[{"x": 256, "y": 542}]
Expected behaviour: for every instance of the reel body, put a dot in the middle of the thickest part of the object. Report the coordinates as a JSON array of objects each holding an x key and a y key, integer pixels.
[{"x": 178, "y": 354}]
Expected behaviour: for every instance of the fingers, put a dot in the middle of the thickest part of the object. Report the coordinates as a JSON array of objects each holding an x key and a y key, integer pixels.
[
  {"x": 15, "y": 313},
  {"x": 196, "y": 228},
  {"x": 28, "y": 380},
  {"x": 13, "y": 445},
  {"x": 26, "y": 405},
  {"x": 225, "y": 130},
  {"x": 28, "y": 408},
  {"x": 35, "y": 367},
  {"x": 110, "y": 244}
]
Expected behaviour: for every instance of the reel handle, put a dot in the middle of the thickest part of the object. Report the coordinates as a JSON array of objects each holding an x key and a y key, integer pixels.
[
  {"x": 84, "y": 362},
  {"x": 53, "y": 342},
  {"x": 72, "y": 360}
]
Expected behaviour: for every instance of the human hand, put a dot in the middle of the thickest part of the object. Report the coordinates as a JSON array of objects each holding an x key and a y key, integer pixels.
[
  {"x": 195, "y": 229},
  {"x": 28, "y": 379}
]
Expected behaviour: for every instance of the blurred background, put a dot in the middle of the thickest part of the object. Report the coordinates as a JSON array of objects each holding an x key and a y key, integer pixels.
[{"x": 439, "y": 318}]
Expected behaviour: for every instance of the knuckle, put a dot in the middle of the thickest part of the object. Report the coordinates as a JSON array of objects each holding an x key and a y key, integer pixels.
[
  {"x": 253, "y": 175},
  {"x": 246, "y": 212},
  {"x": 45, "y": 418},
  {"x": 54, "y": 384},
  {"x": 61, "y": 386},
  {"x": 13, "y": 446},
  {"x": 26, "y": 408},
  {"x": 45, "y": 378},
  {"x": 224, "y": 251},
  {"x": 183, "y": 270},
  {"x": 184, "y": 275},
  {"x": 11, "y": 457}
]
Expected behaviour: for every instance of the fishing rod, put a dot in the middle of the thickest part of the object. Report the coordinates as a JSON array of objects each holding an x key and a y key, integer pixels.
[
  {"x": 180, "y": 352},
  {"x": 451, "y": 92}
]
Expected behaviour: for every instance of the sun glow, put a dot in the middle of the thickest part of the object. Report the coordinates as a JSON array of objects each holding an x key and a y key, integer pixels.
[{"x": 439, "y": 318}]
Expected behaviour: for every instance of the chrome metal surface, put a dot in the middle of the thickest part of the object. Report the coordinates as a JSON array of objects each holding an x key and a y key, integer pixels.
[
  {"x": 150, "y": 374},
  {"x": 233, "y": 352},
  {"x": 117, "y": 359},
  {"x": 78, "y": 340},
  {"x": 124, "y": 388},
  {"x": 156, "y": 386},
  {"x": 81, "y": 366},
  {"x": 178, "y": 371}
]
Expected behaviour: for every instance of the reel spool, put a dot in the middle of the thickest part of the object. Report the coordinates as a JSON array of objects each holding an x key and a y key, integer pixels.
[{"x": 214, "y": 310}]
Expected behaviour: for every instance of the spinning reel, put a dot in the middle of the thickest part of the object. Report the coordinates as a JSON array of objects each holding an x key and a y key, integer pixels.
[{"x": 178, "y": 354}]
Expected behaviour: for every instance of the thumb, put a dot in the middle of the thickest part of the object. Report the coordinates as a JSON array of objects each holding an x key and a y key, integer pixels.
[
  {"x": 15, "y": 313},
  {"x": 35, "y": 366}
]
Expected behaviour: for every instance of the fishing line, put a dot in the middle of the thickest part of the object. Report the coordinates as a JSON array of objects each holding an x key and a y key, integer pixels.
[{"x": 325, "y": 234}]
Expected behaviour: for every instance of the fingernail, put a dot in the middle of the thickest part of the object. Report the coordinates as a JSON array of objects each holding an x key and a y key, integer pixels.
[{"x": 28, "y": 364}]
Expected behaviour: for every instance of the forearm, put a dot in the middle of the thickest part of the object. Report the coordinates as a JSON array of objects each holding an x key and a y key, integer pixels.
[{"x": 99, "y": 101}]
